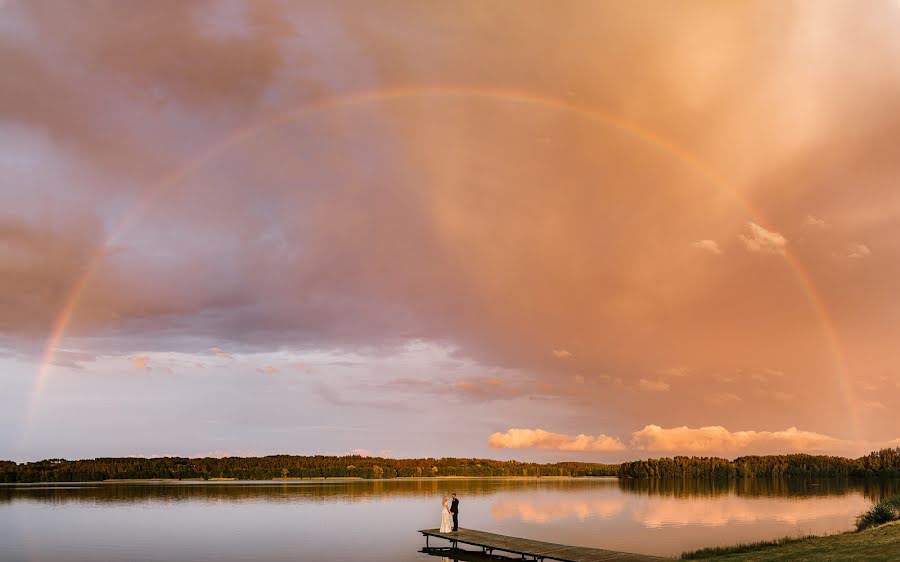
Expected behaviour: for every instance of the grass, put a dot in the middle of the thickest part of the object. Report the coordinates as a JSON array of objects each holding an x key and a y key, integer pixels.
[
  {"x": 877, "y": 538},
  {"x": 888, "y": 509},
  {"x": 716, "y": 551}
]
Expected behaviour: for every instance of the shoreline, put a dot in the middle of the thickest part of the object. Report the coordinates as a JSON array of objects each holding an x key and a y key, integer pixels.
[
  {"x": 285, "y": 480},
  {"x": 876, "y": 543}
]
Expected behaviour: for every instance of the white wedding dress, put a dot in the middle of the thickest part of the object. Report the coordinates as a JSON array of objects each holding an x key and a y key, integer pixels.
[{"x": 446, "y": 525}]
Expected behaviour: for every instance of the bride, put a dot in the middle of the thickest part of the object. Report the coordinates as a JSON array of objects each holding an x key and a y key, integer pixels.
[{"x": 446, "y": 526}]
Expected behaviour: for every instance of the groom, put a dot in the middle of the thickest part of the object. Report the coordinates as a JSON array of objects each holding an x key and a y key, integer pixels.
[{"x": 454, "y": 509}]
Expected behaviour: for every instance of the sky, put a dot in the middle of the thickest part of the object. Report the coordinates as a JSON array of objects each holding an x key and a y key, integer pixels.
[{"x": 551, "y": 231}]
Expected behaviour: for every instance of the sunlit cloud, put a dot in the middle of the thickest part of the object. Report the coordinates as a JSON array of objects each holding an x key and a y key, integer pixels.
[
  {"x": 680, "y": 371},
  {"x": 267, "y": 369},
  {"x": 653, "y": 386},
  {"x": 814, "y": 221},
  {"x": 854, "y": 251},
  {"x": 141, "y": 362},
  {"x": 720, "y": 398},
  {"x": 765, "y": 375},
  {"x": 518, "y": 438},
  {"x": 710, "y": 246},
  {"x": 219, "y": 352},
  {"x": 561, "y": 353},
  {"x": 712, "y": 439},
  {"x": 763, "y": 241},
  {"x": 873, "y": 405}
]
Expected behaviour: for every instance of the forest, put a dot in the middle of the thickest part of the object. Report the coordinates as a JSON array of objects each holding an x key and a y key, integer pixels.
[
  {"x": 284, "y": 466},
  {"x": 883, "y": 463}
]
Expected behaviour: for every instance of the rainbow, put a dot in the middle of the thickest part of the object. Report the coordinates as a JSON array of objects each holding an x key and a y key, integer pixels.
[{"x": 171, "y": 180}]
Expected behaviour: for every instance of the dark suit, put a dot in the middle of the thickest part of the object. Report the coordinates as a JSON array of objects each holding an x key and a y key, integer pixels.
[{"x": 454, "y": 509}]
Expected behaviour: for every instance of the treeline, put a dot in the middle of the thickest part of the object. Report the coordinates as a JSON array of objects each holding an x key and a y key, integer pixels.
[
  {"x": 883, "y": 463},
  {"x": 284, "y": 466}
]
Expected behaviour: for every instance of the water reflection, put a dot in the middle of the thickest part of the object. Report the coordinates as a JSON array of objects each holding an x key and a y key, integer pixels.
[
  {"x": 546, "y": 508},
  {"x": 336, "y": 520}
]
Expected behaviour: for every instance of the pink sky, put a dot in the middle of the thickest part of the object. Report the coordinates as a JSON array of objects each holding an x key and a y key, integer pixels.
[{"x": 568, "y": 231}]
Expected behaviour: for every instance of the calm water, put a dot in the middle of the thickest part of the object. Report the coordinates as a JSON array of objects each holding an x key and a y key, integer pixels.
[{"x": 377, "y": 521}]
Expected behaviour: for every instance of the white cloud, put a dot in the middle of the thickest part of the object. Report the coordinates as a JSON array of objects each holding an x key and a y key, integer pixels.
[
  {"x": 764, "y": 241},
  {"x": 718, "y": 439},
  {"x": 708, "y": 245},
  {"x": 518, "y": 438},
  {"x": 653, "y": 386}
]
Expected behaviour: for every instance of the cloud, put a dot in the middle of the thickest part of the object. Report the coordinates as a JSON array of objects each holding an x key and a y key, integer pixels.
[
  {"x": 218, "y": 351},
  {"x": 710, "y": 246},
  {"x": 141, "y": 362},
  {"x": 680, "y": 371},
  {"x": 517, "y": 438},
  {"x": 72, "y": 359},
  {"x": 561, "y": 353},
  {"x": 855, "y": 251},
  {"x": 579, "y": 378},
  {"x": 653, "y": 386},
  {"x": 813, "y": 221},
  {"x": 873, "y": 405},
  {"x": 267, "y": 370},
  {"x": 766, "y": 374},
  {"x": 717, "y": 439},
  {"x": 764, "y": 241},
  {"x": 720, "y": 398}
]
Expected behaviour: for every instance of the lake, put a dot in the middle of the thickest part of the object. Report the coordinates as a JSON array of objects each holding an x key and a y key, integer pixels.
[{"x": 377, "y": 520}]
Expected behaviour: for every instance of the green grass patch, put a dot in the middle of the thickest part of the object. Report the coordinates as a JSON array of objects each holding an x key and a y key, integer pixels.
[
  {"x": 885, "y": 511},
  {"x": 740, "y": 548}
]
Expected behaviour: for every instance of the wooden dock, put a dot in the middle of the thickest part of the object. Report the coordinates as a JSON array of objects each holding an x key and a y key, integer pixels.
[{"x": 534, "y": 550}]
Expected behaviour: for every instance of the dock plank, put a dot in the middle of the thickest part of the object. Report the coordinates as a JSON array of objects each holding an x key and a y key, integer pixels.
[{"x": 539, "y": 550}]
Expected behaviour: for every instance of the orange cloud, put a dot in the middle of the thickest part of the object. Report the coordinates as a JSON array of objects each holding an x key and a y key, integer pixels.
[
  {"x": 720, "y": 398},
  {"x": 653, "y": 386},
  {"x": 266, "y": 370},
  {"x": 764, "y": 241},
  {"x": 812, "y": 220},
  {"x": 518, "y": 438},
  {"x": 708, "y": 245},
  {"x": 717, "y": 439},
  {"x": 855, "y": 251},
  {"x": 141, "y": 362}
]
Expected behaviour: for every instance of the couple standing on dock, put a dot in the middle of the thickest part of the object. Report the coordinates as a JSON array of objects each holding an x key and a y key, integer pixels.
[{"x": 446, "y": 512}]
